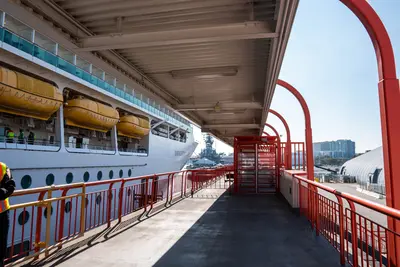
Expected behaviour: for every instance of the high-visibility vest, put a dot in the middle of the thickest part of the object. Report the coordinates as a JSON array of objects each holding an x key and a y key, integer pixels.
[{"x": 4, "y": 204}]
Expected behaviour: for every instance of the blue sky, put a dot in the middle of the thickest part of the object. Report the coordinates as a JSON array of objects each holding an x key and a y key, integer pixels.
[{"x": 331, "y": 61}]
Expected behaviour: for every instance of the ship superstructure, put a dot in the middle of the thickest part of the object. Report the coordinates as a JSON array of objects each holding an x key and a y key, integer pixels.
[{"x": 63, "y": 119}]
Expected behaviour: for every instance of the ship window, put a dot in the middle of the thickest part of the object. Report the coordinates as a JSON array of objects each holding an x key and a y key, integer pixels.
[
  {"x": 23, "y": 217},
  {"x": 50, "y": 179},
  {"x": 99, "y": 175},
  {"x": 121, "y": 173},
  {"x": 45, "y": 212},
  {"x": 98, "y": 199},
  {"x": 111, "y": 174},
  {"x": 26, "y": 181},
  {"x": 129, "y": 172},
  {"x": 67, "y": 207},
  {"x": 69, "y": 178},
  {"x": 86, "y": 176}
]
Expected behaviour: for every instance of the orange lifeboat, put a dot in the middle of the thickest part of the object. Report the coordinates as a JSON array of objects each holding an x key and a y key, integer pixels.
[
  {"x": 26, "y": 96},
  {"x": 89, "y": 114},
  {"x": 133, "y": 126}
]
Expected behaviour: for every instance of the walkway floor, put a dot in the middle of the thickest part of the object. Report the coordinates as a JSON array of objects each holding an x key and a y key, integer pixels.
[{"x": 212, "y": 229}]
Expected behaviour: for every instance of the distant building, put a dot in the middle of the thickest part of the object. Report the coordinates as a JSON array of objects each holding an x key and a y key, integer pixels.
[
  {"x": 344, "y": 149},
  {"x": 367, "y": 169}
]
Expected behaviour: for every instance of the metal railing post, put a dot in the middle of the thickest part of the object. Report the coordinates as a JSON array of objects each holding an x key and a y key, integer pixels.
[
  {"x": 48, "y": 222},
  {"x": 120, "y": 202},
  {"x": 83, "y": 209},
  {"x": 341, "y": 230}
]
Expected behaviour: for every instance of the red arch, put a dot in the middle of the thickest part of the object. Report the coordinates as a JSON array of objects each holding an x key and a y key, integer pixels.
[
  {"x": 288, "y": 149},
  {"x": 389, "y": 99},
  {"x": 279, "y": 142},
  {"x": 308, "y": 130}
]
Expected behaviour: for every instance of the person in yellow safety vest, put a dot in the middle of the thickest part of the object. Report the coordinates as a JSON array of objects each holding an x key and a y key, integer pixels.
[
  {"x": 7, "y": 187},
  {"x": 10, "y": 136}
]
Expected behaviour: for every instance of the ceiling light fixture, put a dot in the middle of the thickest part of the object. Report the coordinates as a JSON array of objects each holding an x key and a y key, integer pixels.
[{"x": 205, "y": 73}]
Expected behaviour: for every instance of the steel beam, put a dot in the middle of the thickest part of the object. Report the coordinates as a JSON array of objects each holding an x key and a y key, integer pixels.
[
  {"x": 157, "y": 124},
  {"x": 232, "y": 125},
  {"x": 229, "y": 32},
  {"x": 219, "y": 105}
]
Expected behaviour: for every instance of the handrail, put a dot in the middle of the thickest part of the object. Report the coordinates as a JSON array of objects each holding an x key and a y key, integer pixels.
[
  {"x": 363, "y": 202},
  {"x": 73, "y": 219}
]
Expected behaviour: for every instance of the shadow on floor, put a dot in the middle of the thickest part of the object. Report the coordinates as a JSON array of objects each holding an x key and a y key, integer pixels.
[{"x": 250, "y": 231}]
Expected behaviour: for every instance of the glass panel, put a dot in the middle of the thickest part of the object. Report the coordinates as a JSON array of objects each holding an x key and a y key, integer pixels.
[
  {"x": 18, "y": 27},
  {"x": 65, "y": 54},
  {"x": 45, "y": 42},
  {"x": 86, "y": 76},
  {"x": 101, "y": 83},
  {"x": 11, "y": 39},
  {"x": 42, "y": 54},
  {"x": 94, "y": 80},
  {"x": 111, "y": 89},
  {"x": 97, "y": 72},
  {"x": 120, "y": 85},
  {"x": 25, "y": 46},
  {"x": 109, "y": 79},
  {"x": 83, "y": 64},
  {"x": 118, "y": 92},
  {"x": 68, "y": 67},
  {"x": 1, "y": 34}
]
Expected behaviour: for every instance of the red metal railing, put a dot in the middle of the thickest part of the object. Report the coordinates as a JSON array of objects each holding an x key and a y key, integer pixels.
[
  {"x": 77, "y": 211},
  {"x": 298, "y": 152},
  {"x": 361, "y": 239}
]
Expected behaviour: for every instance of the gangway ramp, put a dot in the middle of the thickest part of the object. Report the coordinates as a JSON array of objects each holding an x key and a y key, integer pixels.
[{"x": 231, "y": 230}]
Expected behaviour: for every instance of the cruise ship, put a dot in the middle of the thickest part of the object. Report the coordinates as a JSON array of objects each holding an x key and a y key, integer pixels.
[{"x": 64, "y": 119}]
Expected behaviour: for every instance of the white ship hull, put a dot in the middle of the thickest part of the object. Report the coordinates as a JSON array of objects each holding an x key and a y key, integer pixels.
[{"x": 164, "y": 156}]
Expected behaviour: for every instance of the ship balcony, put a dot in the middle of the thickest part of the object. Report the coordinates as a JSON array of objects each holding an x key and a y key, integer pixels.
[{"x": 26, "y": 144}]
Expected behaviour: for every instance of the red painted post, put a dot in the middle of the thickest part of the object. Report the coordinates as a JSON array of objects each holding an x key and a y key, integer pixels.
[
  {"x": 288, "y": 148},
  {"x": 39, "y": 216},
  {"x": 341, "y": 230},
  {"x": 172, "y": 188},
  {"x": 62, "y": 208},
  {"x": 354, "y": 237},
  {"x": 389, "y": 99},
  {"x": 109, "y": 203},
  {"x": 279, "y": 145},
  {"x": 167, "y": 196},
  {"x": 120, "y": 202},
  {"x": 146, "y": 192},
  {"x": 235, "y": 166}
]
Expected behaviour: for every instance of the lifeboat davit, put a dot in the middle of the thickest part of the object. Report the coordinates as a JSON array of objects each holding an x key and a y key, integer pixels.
[
  {"x": 89, "y": 114},
  {"x": 26, "y": 96},
  {"x": 133, "y": 126}
]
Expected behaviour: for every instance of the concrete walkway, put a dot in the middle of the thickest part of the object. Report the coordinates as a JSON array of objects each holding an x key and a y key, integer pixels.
[{"x": 211, "y": 229}]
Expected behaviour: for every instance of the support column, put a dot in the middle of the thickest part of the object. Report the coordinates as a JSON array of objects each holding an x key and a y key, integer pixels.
[
  {"x": 389, "y": 99},
  {"x": 59, "y": 127}
]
